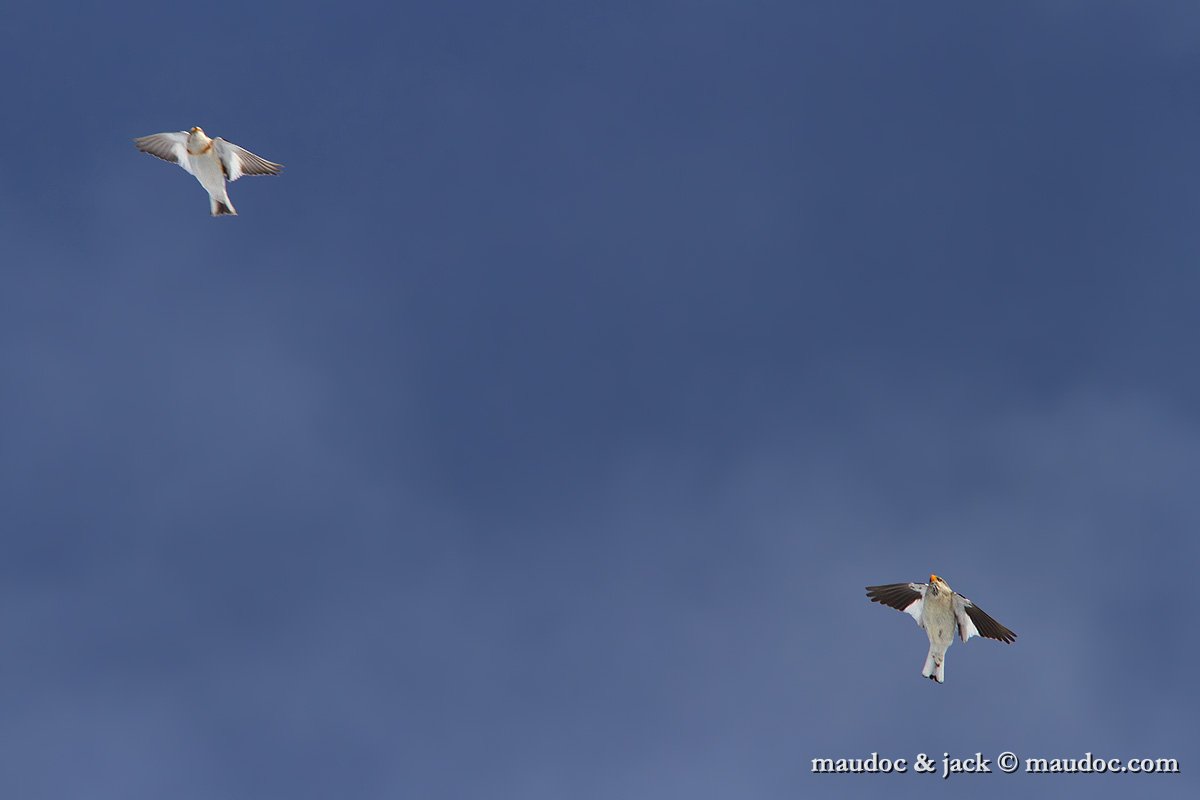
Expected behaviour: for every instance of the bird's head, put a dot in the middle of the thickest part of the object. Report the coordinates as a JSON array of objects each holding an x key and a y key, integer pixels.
[
  {"x": 937, "y": 584},
  {"x": 197, "y": 142}
]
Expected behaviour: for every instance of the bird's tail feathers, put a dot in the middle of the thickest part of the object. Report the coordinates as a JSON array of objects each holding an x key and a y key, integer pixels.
[
  {"x": 935, "y": 667},
  {"x": 222, "y": 207}
]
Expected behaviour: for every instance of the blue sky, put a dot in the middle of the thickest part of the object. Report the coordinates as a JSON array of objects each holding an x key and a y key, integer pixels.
[{"x": 535, "y": 433}]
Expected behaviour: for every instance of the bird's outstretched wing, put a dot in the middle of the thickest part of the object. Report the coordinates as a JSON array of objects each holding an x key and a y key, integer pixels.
[
  {"x": 973, "y": 621},
  {"x": 167, "y": 146},
  {"x": 906, "y": 597},
  {"x": 238, "y": 161}
]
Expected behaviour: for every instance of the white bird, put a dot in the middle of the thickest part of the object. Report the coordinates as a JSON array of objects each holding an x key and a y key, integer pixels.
[
  {"x": 939, "y": 610},
  {"x": 211, "y": 161}
]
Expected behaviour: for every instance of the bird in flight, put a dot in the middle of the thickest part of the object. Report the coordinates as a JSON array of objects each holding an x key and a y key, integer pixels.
[
  {"x": 940, "y": 611},
  {"x": 210, "y": 161}
]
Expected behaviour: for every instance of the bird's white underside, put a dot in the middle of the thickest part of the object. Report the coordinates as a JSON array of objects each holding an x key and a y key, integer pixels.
[{"x": 916, "y": 609}]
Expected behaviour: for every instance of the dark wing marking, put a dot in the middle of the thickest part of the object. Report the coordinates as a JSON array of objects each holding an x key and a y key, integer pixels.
[
  {"x": 984, "y": 625},
  {"x": 238, "y": 161},
  {"x": 896, "y": 595}
]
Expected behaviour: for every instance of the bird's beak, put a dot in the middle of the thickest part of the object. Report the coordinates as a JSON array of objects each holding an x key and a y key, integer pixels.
[{"x": 934, "y": 579}]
